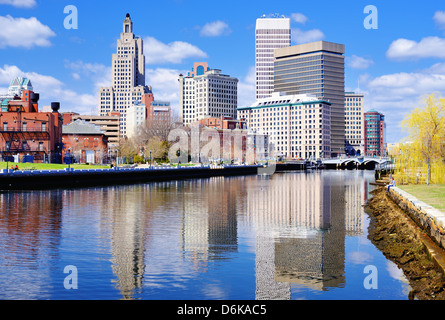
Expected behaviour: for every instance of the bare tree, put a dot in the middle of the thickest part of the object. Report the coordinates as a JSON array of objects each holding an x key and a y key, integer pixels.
[
  {"x": 157, "y": 128},
  {"x": 156, "y": 148},
  {"x": 127, "y": 148}
]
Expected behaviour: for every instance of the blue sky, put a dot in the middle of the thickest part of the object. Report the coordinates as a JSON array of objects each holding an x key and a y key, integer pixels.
[{"x": 394, "y": 65}]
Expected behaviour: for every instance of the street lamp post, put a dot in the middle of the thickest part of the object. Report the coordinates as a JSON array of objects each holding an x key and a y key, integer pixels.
[
  {"x": 7, "y": 157},
  {"x": 69, "y": 159},
  {"x": 150, "y": 160}
]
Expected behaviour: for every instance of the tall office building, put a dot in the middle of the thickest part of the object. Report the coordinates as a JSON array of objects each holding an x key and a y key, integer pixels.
[
  {"x": 316, "y": 68},
  {"x": 128, "y": 77},
  {"x": 375, "y": 126},
  {"x": 206, "y": 93},
  {"x": 270, "y": 34},
  {"x": 354, "y": 124}
]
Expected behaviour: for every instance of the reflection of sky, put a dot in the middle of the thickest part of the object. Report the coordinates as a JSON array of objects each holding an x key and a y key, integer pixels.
[{"x": 181, "y": 240}]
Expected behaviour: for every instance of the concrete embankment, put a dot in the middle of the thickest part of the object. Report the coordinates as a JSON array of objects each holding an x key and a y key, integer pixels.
[
  {"x": 45, "y": 179},
  {"x": 430, "y": 219}
]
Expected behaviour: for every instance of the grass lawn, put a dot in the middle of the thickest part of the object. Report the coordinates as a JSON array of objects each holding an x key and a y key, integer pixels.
[
  {"x": 49, "y": 166},
  {"x": 434, "y": 194}
]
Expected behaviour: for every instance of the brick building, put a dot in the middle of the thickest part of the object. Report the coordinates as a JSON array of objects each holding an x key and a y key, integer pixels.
[
  {"x": 84, "y": 142},
  {"x": 27, "y": 134},
  {"x": 237, "y": 143},
  {"x": 223, "y": 123},
  {"x": 375, "y": 127},
  {"x": 108, "y": 123}
]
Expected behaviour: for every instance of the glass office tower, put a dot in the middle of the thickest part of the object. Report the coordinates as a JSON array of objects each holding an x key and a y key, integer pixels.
[{"x": 316, "y": 68}]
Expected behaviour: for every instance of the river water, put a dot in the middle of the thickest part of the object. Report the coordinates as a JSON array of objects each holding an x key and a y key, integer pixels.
[{"x": 288, "y": 236}]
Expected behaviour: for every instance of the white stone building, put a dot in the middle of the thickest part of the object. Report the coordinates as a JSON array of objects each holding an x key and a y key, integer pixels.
[
  {"x": 298, "y": 126},
  {"x": 136, "y": 115},
  {"x": 206, "y": 93}
]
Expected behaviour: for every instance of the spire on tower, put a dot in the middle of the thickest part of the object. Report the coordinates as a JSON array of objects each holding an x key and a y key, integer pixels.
[{"x": 128, "y": 24}]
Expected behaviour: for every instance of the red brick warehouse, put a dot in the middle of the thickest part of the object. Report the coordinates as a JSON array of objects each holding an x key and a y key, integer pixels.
[{"x": 28, "y": 134}]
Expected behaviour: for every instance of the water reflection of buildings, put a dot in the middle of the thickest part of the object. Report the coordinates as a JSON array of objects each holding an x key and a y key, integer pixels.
[
  {"x": 209, "y": 222},
  {"x": 30, "y": 228},
  {"x": 301, "y": 228},
  {"x": 356, "y": 195},
  {"x": 205, "y": 212},
  {"x": 130, "y": 209},
  {"x": 301, "y": 221}
]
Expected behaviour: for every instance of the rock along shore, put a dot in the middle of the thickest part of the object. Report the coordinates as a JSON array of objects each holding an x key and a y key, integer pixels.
[{"x": 402, "y": 241}]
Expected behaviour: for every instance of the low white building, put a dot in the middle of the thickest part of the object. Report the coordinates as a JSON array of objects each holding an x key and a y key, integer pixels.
[{"x": 298, "y": 126}]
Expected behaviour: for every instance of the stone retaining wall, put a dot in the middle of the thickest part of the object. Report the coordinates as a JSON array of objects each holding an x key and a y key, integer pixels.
[{"x": 430, "y": 219}]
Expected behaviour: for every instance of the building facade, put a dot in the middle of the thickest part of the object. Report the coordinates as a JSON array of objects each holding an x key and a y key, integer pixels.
[
  {"x": 109, "y": 124},
  {"x": 206, "y": 92},
  {"x": 223, "y": 123},
  {"x": 128, "y": 76},
  {"x": 149, "y": 115},
  {"x": 136, "y": 115},
  {"x": 15, "y": 90},
  {"x": 270, "y": 34},
  {"x": 316, "y": 68},
  {"x": 159, "y": 112},
  {"x": 354, "y": 124},
  {"x": 375, "y": 127},
  {"x": 84, "y": 142},
  {"x": 237, "y": 143},
  {"x": 28, "y": 135},
  {"x": 298, "y": 126}
]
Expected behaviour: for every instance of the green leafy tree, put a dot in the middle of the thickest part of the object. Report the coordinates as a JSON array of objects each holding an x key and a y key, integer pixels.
[{"x": 425, "y": 145}]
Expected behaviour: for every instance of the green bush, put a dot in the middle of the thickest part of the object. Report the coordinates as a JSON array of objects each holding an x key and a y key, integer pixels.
[{"x": 138, "y": 159}]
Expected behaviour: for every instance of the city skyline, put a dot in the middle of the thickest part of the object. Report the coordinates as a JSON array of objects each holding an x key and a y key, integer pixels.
[{"x": 393, "y": 66}]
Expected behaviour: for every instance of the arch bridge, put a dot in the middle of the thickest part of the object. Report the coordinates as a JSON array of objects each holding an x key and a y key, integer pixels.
[{"x": 355, "y": 162}]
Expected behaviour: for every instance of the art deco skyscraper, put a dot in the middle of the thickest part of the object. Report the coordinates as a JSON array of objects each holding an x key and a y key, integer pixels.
[
  {"x": 271, "y": 33},
  {"x": 128, "y": 76}
]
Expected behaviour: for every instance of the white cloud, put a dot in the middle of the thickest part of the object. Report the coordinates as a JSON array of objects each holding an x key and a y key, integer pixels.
[
  {"x": 299, "y": 18},
  {"x": 357, "y": 62},
  {"x": 301, "y": 36},
  {"x": 429, "y": 47},
  {"x": 438, "y": 68},
  {"x": 215, "y": 29},
  {"x": 246, "y": 88},
  {"x": 26, "y": 33},
  {"x": 52, "y": 89},
  {"x": 439, "y": 19},
  {"x": 100, "y": 74},
  {"x": 395, "y": 95},
  {"x": 164, "y": 83},
  {"x": 20, "y": 3},
  {"x": 157, "y": 52}
]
